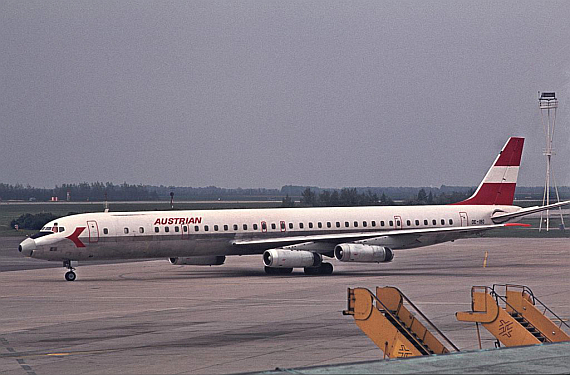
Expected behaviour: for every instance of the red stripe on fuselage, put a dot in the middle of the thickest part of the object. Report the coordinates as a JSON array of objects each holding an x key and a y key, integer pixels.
[
  {"x": 493, "y": 193},
  {"x": 75, "y": 237},
  {"x": 511, "y": 154}
]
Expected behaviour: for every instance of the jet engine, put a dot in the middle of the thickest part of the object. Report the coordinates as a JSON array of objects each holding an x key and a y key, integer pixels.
[
  {"x": 199, "y": 261},
  {"x": 352, "y": 252},
  {"x": 283, "y": 258}
]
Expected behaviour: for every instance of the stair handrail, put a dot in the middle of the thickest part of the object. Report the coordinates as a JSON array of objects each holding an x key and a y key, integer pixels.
[
  {"x": 426, "y": 318},
  {"x": 497, "y": 296},
  {"x": 396, "y": 319},
  {"x": 534, "y": 300}
]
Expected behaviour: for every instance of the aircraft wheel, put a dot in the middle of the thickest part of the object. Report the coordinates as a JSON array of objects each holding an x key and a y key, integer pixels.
[
  {"x": 270, "y": 270},
  {"x": 311, "y": 270},
  {"x": 277, "y": 271},
  {"x": 70, "y": 276},
  {"x": 326, "y": 269}
]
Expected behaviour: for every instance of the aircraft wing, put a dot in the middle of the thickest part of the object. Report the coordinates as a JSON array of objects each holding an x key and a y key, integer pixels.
[
  {"x": 451, "y": 232},
  {"x": 501, "y": 218}
]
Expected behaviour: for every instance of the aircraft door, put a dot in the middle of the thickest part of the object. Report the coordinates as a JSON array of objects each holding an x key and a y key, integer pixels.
[
  {"x": 397, "y": 222},
  {"x": 93, "y": 231},
  {"x": 464, "y": 221}
]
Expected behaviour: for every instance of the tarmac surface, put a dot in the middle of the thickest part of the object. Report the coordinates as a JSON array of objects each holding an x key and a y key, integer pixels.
[{"x": 155, "y": 318}]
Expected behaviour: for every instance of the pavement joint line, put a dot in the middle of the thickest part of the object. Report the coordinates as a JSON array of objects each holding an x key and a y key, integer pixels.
[{"x": 13, "y": 353}]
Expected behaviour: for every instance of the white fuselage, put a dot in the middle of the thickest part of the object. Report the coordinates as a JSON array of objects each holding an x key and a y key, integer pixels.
[{"x": 164, "y": 234}]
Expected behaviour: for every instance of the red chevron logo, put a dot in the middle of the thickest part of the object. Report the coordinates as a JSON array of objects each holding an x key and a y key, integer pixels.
[{"x": 75, "y": 237}]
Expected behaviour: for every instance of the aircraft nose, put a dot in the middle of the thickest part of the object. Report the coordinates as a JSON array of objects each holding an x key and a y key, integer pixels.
[{"x": 27, "y": 247}]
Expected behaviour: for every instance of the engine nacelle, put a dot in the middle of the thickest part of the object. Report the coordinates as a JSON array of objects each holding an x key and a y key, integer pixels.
[
  {"x": 199, "y": 261},
  {"x": 353, "y": 252},
  {"x": 291, "y": 258}
]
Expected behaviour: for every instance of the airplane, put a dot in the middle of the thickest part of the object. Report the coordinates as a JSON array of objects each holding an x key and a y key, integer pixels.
[{"x": 287, "y": 238}]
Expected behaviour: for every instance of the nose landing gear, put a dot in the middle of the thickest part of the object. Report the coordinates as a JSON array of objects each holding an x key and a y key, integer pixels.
[{"x": 70, "y": 264}]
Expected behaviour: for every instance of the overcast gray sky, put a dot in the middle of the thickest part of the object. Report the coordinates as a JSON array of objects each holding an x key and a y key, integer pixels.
[{"x": 268, "y": 93}]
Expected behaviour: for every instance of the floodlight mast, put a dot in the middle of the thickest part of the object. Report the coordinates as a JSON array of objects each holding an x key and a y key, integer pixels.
[{"x": 548, "y": 104}]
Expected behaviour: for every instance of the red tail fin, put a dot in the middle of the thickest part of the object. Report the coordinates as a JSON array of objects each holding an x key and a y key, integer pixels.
[{"x": 498, "y": 186}]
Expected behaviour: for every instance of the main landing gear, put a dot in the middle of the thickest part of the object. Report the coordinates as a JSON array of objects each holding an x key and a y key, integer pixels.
[
  {"x": 323, "y": 269},
  {"x": 70, "y": 264}
]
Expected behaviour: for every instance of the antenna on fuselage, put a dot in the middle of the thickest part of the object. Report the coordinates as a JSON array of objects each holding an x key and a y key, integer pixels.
[
  {"x": 548, "y": 105},
  {"x": 106, "y": 203},
  {"x": 171, "y": 200}
]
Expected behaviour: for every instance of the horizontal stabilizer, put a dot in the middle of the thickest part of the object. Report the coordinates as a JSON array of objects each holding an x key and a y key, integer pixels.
[{"x": 501, "y": 218}]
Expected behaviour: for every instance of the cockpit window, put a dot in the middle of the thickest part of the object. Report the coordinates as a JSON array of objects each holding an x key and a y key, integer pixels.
[{"x": 40, "y": 234}]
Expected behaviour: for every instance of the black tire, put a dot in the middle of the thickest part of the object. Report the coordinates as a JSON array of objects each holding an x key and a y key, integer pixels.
[
  {"x": 277, "y": 271},
  {"x": 270, "y": 270},
  {"x": 311, "y": 270},
  {"x": 70, "y": 276},
  {"x": 326, "y": 269}
]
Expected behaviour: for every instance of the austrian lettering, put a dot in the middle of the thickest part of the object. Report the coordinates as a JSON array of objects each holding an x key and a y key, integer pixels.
[{"x": 178, "y": 220}]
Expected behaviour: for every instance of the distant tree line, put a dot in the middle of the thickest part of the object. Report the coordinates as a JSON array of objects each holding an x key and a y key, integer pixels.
[
  {"x": 34, "y": 222},
  {"x": 444, "y": 198},
  {"x": 96, "y": 191},
  {"x": 342, "y": 197},
  {"x": 351, "y": 197},
  {"x": 99, "y": 191}
]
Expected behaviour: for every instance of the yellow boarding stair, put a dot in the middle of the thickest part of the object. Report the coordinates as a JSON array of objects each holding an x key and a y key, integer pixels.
[
  {"x": 392, "y": 327},
  {"x": 515, "y": 317}
]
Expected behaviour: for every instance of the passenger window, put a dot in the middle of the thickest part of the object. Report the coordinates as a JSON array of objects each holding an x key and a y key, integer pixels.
[
  {"x": 398, "y": 223},
  {"x": 373, "y": 223},
  {"x": 235, "y": 227},
  {"x": 319, "y": 224},
  {"x": 105, "y": 231},
  {"x": 450, "y": 221},
  {"x": 417, "y": 222},
  {"x": 196, "y": 228},
  {"x": 329, "y": 224},
  {"x": 216, "y": 228},
  {"x": 226, "y": 227},
  {"x": 425, "y": 222},
  {"x": 167, "y": 229},
  {"x": 364, "y": 224},
  {"x": 141, "y": 230},
  {"x": 310, "y": 225},
  {"x": 391, "y": 223},
  {"x": 273, "y": 226},
  {"x": 61, "y": 229},
  {"x": 177, "y": 229},
  {"x": 282, "y": 225},
  {"x": 433, "y": 222},
  {"x": 290, "y": 225},
  {"x": 408, "y": 222},
  {"x": 382, "y": 223},
  {"x": 206, "y": 228},
  {"x": 356, "y": 224},
  {"x": 184, "y": 229},
  {"x": 442, "y": 221},
  {"x": 126, "y": 230},
  {"x": 301, "y": 225},
  {"x": 346, "y": 224},
  {"x": 338, "y": 224},
  {"x": 254, "y": 226},
  {"x": 156, "y": 229},
  {"x": 264, "y": 226},
  {"x": 245, "y": 227}
]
